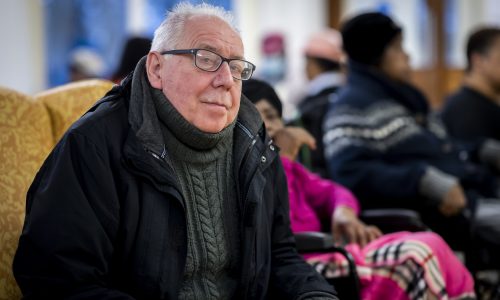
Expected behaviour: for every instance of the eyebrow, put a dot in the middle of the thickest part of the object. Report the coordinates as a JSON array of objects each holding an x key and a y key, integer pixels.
[{"x": 208, "y": 47}]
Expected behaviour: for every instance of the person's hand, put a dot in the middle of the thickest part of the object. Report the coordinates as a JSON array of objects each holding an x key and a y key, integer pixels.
[
  {"x": 346, "y": 227},
  {"x": 290, "y": 139},
  {"x": 454, "y": 201}
]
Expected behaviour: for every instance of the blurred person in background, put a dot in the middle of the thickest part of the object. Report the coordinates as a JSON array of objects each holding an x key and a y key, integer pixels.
[
  {"x": 324, "y": 70},
  {"x": 423, "y": 267},
  {"x": 135, "y": 49},
  {"x": 168, "y": 188},
  {"x": 384, "y": 144},
  {"x": 473, "y": 112},
  {"x": 85, "y": 63}
]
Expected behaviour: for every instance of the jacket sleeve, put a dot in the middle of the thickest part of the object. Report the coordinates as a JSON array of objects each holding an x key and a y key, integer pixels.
[
  {"x": 322, "y": 194},
  {"x": 71, "y": 222},
  {"x": 291, "y": 276},
  {"x": 368, "y": 175}
]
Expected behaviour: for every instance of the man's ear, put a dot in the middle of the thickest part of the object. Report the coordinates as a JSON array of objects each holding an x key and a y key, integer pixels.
[{"x": 153, "y": 69}]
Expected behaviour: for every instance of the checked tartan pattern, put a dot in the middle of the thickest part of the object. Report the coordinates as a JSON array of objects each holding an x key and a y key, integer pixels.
[{"x": 411, "y": 264}]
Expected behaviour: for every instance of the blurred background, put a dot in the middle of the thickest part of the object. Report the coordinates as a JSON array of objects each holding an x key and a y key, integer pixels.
[{"x": 44, "y": 42}]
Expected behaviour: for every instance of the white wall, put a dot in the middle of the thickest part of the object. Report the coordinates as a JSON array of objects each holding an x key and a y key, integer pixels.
[
  {"x": 408, "y": 14},
  {"x": 466, "y": 15},
  {"x": 136, "y": 17},
  {"x": 22, "y": 55},
  {"x": 296, "y": 20},
  {"x": 22, "y": 65},
  {"x": 469, "y": 16}
]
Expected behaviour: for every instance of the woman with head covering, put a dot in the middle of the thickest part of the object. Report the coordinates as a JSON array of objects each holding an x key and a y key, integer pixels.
[{"x": 394, "y": 266}]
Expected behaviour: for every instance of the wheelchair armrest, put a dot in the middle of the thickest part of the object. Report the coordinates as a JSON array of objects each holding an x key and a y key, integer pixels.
[
  {"x": 319, "y": 242},
  {"x": 308, "y": 242},
  {"x": 394, "y": 219}
]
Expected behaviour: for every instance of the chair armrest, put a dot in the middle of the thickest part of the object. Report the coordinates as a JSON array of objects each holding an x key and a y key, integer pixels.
[
  {"x": 318, "y": 242},
  {"x": 394, "y": 219},
  {"x": 308, "y": 242}
]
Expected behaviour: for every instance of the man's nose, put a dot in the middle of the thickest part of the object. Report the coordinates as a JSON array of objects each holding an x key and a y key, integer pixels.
[{"x": 224, "y": 76}]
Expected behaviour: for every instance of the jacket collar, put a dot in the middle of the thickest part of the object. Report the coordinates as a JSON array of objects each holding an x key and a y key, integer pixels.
[
  {"x": 249, "y": 132},
  {"x": 249, "y": 117},
  {"x": 251, "y": 141},
  {"x": 376, "y": 83}
]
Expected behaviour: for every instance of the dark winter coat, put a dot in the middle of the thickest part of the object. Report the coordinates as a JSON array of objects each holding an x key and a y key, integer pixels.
[
  {"x": 470, "y": 115},
  {"x": 380, "y": 137},
  {"x": 105, "y": 216}
]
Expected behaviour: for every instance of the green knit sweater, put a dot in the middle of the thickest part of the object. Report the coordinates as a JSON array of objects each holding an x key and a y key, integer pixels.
[{"x": 203, "y": 166}]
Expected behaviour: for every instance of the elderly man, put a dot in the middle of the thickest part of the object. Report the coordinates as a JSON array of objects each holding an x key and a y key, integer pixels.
[{"x": 167, "y": 188}]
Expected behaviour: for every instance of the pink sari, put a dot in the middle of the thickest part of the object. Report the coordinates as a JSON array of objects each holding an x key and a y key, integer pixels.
[
  {"x": 397, "y": 266},
  {"x": 403, "y": 266}
]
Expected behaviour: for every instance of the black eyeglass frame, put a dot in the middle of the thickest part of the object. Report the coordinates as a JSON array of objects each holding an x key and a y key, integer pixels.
[{"x": 223, "y": 59}]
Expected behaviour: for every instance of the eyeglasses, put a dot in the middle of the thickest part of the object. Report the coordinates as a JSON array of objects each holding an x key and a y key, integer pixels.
[{"x": 210, "y": 61}]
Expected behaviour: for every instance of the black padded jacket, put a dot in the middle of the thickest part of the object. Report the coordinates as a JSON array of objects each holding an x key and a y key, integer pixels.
[{"x": 105, "y": 217}]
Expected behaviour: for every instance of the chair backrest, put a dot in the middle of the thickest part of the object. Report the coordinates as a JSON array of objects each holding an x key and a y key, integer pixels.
[
  {"x": 68, "y": 102},
  {"x": 25, "y": 141},
  {"x": 29, "y": 129}
]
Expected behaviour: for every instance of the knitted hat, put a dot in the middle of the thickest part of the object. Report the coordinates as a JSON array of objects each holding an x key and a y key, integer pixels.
[
  {"x": 256, "y": 90},
  {"x": 367, "y": 35},
  {"x": 135, "y": 49},
  {"x": 86, "y": 61},
  {"x": 326, "y": 44}
]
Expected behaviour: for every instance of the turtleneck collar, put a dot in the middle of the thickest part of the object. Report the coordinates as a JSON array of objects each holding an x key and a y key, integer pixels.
[
  {"x": 184, "y": 131},
  {"x": 149, "y": 108},
  {"x": 142, "y": 113}
]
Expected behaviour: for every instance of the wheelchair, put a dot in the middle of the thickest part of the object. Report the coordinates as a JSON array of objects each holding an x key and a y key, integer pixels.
[
  {"x": 388, "y": 220},
  {"x": 484, "y": 267}
]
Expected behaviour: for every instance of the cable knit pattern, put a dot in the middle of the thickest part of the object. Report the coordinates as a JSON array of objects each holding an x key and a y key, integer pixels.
[
  {"x": 202, "y": 163},
  {"x": 211, "y": 226},
  {"x": 215, "y": 210},
  {"x": 211, "y": 219},
  {"x": 208, "y": 257}
]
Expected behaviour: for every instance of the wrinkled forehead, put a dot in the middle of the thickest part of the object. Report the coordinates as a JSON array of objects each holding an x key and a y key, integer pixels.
[{"x": 212, "y": 33}]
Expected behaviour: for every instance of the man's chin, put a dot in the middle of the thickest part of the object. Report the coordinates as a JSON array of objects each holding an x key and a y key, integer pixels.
[{"x": 213, "y": 127}]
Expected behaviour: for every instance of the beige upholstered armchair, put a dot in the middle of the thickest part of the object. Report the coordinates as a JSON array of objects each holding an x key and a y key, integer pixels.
[{"x": 30, "y": 126}]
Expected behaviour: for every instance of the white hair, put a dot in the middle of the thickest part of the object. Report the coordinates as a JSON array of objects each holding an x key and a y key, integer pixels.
[{"x": 167, "y": 36}]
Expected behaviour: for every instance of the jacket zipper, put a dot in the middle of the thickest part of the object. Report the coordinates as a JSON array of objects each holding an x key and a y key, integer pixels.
[
  {"x": 244, "y": 202},
  {"x": 162, "y": 160}
]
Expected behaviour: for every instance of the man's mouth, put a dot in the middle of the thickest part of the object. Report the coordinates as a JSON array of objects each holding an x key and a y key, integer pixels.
[{"x": 215, "y": 104}]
